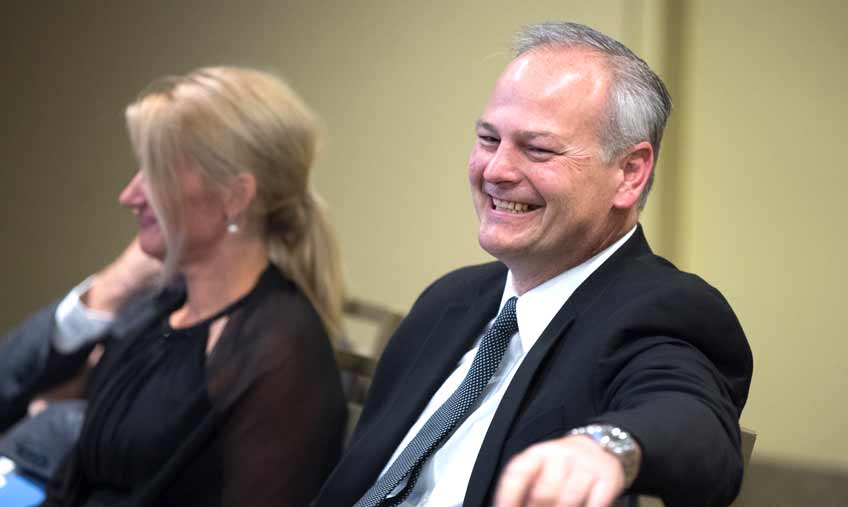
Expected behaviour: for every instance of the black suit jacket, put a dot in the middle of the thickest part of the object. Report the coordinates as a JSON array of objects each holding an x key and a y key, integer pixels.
[{"x": 640, "y": 345}]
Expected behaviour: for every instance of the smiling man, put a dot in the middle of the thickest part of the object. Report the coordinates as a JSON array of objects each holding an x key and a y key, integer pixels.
[{"x": 581, "y": 366}]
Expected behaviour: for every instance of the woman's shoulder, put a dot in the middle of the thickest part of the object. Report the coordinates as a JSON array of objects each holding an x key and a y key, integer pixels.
[{"x": 278, "y": 318}]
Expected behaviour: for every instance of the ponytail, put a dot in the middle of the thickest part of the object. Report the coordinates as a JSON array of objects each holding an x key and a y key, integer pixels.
[{"x": 302, "y": 243}]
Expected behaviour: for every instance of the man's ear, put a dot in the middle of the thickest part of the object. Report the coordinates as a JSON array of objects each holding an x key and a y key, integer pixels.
[
  {"x": 635, "y": 166},
  {"x": 240, "y": 194}
]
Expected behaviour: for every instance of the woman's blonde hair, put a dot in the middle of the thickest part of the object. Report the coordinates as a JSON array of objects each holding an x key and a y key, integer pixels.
[{"x": 228, "y": 121}]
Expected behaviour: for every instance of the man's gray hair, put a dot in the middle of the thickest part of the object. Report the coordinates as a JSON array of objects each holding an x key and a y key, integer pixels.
[{"x": 639, "y": 104}]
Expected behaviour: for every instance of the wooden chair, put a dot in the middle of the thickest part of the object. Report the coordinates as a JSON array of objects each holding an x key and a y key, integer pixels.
[
  {"x": 357, "y": 371},
  {"x": 358, "y": 368},
  {"x": 749, "y": 437},
  {"x": 384, "y": 319}
]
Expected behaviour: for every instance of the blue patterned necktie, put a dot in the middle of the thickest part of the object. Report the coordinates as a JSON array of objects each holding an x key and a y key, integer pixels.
[{"x": 441, "y": 424}]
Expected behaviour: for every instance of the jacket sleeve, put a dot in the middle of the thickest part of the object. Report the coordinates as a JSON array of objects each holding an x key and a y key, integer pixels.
[
  {"x": 677, "y": 378},
  {"x": 29, "y": 363}
]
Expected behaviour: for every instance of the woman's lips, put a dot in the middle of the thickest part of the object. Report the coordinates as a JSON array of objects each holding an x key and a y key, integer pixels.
[{"x": 145, "y": 220}]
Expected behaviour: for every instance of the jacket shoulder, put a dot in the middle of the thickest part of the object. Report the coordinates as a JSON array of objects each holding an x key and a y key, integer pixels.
[
  {"x": 461, "y": 284},
  {"x": 654, "y": 275}
]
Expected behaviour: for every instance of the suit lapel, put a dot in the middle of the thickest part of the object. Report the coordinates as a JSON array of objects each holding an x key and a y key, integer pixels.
[
  {"x": 450, "y": 338},
  {"x": 482, "y": 476}
]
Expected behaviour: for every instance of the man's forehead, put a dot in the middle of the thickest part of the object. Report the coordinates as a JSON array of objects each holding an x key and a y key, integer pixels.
[
  {"x": 561, "y": 91},
  {"x": 552, "y": 71}
]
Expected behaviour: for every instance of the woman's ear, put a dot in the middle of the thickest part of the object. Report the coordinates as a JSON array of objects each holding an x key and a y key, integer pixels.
[
  {"x": 636, "y": 167},
  {"x": 240, "y": 195}
]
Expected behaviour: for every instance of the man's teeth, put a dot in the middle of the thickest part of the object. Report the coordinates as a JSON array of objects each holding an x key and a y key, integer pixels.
[{"x": 515, "y": 207}]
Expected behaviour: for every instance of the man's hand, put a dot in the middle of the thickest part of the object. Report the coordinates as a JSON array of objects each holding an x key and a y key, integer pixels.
[
  {"x": 569, "y": 471},
  {"x": 131, "y": 272}
]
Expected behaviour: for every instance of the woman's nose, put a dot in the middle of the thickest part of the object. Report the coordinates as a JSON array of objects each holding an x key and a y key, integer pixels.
[{"x": 133, "y": 193}]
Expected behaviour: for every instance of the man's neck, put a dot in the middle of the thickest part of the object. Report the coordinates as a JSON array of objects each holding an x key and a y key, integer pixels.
[{"x": 528, "y": 274}]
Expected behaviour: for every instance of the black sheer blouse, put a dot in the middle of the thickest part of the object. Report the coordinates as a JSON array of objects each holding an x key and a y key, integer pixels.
[{"x": 259, "y": 421}]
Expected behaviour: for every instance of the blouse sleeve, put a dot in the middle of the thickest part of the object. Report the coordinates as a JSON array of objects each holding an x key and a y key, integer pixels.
[
  {"x": 284, "y": 436},
  {"x": 274, "y": 381}
]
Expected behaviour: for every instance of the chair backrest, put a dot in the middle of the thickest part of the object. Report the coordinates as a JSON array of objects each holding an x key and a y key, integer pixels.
[
  {"x": 382, "y": 318},
  {"x": 749, "y": 437},
  {"x": 357, "y": 355},
  {"x": 369, "y": 327},
  {"x": 357, "y": 371}
]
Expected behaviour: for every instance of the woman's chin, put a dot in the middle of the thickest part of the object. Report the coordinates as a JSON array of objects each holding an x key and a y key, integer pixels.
[{"x": 153, "y": 247}]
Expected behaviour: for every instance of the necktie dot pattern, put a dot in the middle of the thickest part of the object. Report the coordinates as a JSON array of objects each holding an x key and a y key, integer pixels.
[{"x": 441, "y": 424}]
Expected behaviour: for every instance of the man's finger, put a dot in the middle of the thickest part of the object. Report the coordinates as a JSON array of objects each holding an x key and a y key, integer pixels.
[
  {"x": 575, "y": 489},
  {"x": 547, "y": 487},
  {"x": 517, "y": 478},
  {"x": 603, "y": 494}
]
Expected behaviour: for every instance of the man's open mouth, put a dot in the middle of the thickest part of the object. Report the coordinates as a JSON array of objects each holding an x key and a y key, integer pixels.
[{"x": 512, "y": 206}]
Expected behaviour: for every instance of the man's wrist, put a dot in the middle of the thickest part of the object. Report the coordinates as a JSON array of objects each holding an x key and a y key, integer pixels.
[
  {"x": 109, "y": 290},
  {"x": 104, "y": 297},
  {"x": 77, "y": 324},
  {"x": 617, "y": 442}
]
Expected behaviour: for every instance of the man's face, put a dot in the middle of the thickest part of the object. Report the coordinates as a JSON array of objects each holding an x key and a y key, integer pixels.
[{"x": 542, "y": 194}]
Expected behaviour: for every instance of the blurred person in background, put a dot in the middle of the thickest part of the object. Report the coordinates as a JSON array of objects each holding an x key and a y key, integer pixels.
[{"x": 219, "y": 386}]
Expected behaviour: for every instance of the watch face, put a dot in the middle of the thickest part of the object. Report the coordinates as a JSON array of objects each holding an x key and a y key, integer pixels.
[
  {"x": 625, "y": 445},
  {"x": 616, "y": 442}
]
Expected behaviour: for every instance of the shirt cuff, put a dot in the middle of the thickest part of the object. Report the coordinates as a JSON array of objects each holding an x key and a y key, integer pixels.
[{"x": 76, "y": 324}]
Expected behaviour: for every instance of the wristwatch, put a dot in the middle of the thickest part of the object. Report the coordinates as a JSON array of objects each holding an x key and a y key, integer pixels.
[{"x": 617, "y": 442}]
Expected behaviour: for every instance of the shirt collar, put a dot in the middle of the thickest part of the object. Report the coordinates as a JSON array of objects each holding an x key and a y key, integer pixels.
[{"x": 538, "y": 306}]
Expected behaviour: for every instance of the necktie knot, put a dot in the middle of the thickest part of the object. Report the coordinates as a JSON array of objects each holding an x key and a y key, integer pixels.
[{"x": 507, "y": 322}]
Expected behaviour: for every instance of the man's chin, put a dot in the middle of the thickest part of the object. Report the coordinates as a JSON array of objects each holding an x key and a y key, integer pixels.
[{"x": 500, "y": 248}]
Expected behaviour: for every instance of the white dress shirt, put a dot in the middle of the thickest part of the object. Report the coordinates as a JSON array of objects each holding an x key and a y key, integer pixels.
[
  {"x": 444, "y": 476},
  {"x": 76, "y": 324}
]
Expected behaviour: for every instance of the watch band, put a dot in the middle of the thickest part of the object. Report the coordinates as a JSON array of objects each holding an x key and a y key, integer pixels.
[{"x": 617, "y": 442}]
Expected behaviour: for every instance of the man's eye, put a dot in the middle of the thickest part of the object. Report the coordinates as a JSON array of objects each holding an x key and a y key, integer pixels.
[
  {"x": 488, "y": 139},
  {"x": 540, "y": 151}
]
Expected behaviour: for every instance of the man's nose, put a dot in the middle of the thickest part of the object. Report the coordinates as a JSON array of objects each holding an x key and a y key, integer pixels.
[{"x": 503, "y": 167}]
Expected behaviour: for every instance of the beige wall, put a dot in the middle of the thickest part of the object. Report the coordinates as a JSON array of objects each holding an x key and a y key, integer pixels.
[
  {"x": 399, "y": 84},
  {"x": 763, "y": 211}
]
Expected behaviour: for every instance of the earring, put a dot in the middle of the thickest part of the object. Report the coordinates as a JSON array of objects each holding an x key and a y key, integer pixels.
[{"x": 232, "y": 227}]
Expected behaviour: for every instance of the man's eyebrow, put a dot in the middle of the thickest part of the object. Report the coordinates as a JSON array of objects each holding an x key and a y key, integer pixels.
[
  {"x": 530, "y": 134},
  {"x": 522, "y": 134},
  {"x": 485, "y": 125}
]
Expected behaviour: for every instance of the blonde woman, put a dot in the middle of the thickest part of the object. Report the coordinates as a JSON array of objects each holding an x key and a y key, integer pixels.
[{"x": 229, "y": 394}]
